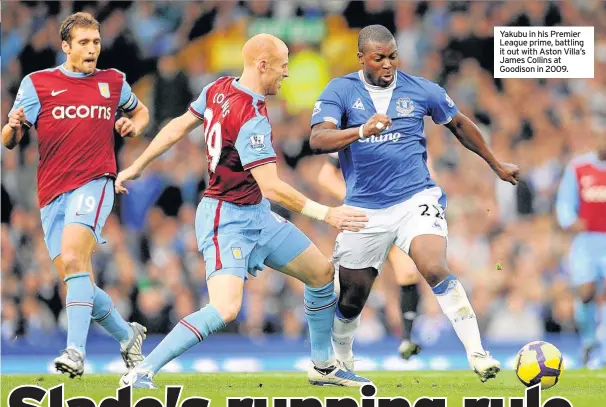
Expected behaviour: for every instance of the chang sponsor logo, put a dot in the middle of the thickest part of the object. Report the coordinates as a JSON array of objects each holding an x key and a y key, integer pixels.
[
  {"x": 595, "y": 193},
  {"x": 82, "y": 112},
  {"x": 383, "y": 138}
]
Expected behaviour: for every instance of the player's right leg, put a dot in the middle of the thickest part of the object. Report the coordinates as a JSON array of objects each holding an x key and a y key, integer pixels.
[
  {"x": 225, "y": 292},
  {"x": 407, "y": 277},
  {"x": 584, "y": 274},
  {"x": 360, "y": 257}
]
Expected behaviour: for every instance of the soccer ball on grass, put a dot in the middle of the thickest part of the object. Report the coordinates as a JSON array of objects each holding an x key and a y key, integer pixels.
[{"x": 539, "y": 362}]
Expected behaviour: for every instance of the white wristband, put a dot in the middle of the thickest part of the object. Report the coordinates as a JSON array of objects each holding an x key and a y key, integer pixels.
[
  {"x": 314, "y": 210},
  {"x": 361, "y": 132}
]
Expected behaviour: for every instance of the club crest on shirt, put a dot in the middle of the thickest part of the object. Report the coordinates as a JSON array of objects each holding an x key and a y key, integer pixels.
[
  {"x": 237, "y": 253},
  {"x": 104, "y": 89},
  {"x": 317, "y": 108},
  {"x": 257, "y": 141},
  {"x": 405, "y": 107}
]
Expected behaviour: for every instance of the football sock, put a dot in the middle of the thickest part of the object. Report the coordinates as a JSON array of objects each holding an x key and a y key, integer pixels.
[
  {"x": 320, "y": 304},
  {"x": 602, "y": 334},
  {"x": 106, "y": 315},
  {"x": 585, "y": 315},
  {"x": 188, "y": 332},
  {"x": 455, "y": 305},
  {"x": 343, "y": 331},
  {"x": 409, "y": 301},
  {"x": 79, "y": 306}
]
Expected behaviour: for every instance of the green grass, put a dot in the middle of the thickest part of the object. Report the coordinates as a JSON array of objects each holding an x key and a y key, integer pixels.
[{"x": 583, "y": 388}]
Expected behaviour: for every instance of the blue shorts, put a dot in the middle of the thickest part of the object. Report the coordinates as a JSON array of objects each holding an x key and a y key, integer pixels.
[
  {"x": 240, "y": 239},
  {"x": 89, "y": 205},
  {"x": 587, "y": 258}
]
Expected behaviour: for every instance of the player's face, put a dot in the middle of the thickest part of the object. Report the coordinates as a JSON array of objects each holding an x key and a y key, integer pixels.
[
  {"x": 83, "y": 52},
  {"x": 275, "y": 73},
  {"x": 379, "y": 61}
]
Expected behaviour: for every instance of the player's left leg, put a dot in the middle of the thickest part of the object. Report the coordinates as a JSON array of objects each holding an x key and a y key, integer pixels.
[
  {"x": 292, "y": 253},
  {"x": 423, "y": 236},
  {"x": 406, "y": 275}
]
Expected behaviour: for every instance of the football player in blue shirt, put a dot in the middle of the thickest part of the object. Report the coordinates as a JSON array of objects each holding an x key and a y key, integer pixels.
[{"x": 374, "y": 119}]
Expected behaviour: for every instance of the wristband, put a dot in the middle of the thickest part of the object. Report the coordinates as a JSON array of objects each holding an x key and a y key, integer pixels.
[
  {"x": 314, "y": 210},
  {"x": 361, "y": 132}
]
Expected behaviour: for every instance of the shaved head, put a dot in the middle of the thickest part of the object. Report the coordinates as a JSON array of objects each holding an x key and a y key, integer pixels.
[
  {"x": 265, "y": 64},
  {"x": 262, "y": 47}
]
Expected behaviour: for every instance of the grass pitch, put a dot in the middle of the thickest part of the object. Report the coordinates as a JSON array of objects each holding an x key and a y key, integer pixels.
[{"x": 584, "y": 388}]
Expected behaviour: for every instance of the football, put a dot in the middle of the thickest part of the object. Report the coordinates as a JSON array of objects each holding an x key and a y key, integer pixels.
[{"x": 539, "y": 362}]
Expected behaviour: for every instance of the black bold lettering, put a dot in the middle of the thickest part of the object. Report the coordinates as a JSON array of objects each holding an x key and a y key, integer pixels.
[
  {"x": 533, "y": 396},
  {"x": 123, "y": 399},
  {"x": 196, "y": 402},
  {"x": 341, "y": 402},
  {"x": 247, "y": 402},
  {"x": 516, "y": 402},
  {"x": 19, "y": 394},
  {"x": 484, "y": 402},
  {"x": 306, "y": 402},
  {"x": 278, "y": 402},
  {"x": 557, "y": 402},
  {"x": 149, "y": 402},
  {"x": 430, "y": 402},
  {"x": 395, "y": 402},
  {"x": 80, "y": 402}
]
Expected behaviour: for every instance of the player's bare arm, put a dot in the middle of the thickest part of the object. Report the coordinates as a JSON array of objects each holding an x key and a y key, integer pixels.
[
  {"x": 470, "y": 136},
  {"x": 170, "y": 134},
  {"x": 278, "y": 191},
  {"x": 13, "y": 131},
  {"x": 133, "y": 125},
  {"x": 331, "y": 180},
  {"x": 326, "y": 138}
]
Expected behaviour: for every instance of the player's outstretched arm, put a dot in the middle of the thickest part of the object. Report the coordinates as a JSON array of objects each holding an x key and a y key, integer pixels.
[
  {"x": 326, "y": 138},
  {"x": 331, "y": 180},
  {"x": 278, "y": 191},
  {"x": 567, "y": 203},
  {"x": 170, "y": 134},
  {"x": 471, "y": 137},
  {"x": 13, "y": 131},
  {"x": 133, "y": 125}
]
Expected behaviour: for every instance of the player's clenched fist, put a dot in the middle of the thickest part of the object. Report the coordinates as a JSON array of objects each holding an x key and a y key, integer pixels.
[
  {"x": 376, "y": 124},
  {"x": 346, "y": 218},
  {"x": 508, "y": 172},
  {"x": 127, "y": 174},
  {"x": 125, "y": 127},
  {"x": 16, "y": 118}
]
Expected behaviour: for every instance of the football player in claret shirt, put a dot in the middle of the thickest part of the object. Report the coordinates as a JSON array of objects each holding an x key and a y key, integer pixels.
[
  {"x": 374, "y": 118},
  {"x": 581, "y": 209},
  {"x": 236, "y": 230},
  {"x": 74, "y": 107}
]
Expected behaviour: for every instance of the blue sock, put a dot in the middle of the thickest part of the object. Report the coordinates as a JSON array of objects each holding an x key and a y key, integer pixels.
[
  {"x": 320, "y": 305},
  {"x": 106, "y": 315},
  {"x": 585, "y": 315},
  {"x": 602, "y": 334},
  {"x": 79, "y": 305},
  {"x": 188, "y": 332}
]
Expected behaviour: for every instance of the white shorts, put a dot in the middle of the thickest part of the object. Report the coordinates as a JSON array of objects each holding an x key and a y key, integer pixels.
[{"x": 422, "y": 214}]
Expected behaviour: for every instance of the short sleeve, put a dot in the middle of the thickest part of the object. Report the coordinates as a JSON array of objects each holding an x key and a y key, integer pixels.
[
  {"x": 329, "y": 107},
  {"x": 254, "y": 143},
  {"x": 441, "y": 107},
  {"x": 128, "y": 100},
  {"x": 27, "y": 97},
  {"x": 198, "y": 106}
]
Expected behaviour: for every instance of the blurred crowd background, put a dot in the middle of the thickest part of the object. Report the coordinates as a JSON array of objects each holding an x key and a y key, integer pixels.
[{"x": 171, "y": 50}]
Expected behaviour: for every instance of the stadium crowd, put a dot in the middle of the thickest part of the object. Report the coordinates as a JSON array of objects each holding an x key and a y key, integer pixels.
[{"x": 504, "y": 242}]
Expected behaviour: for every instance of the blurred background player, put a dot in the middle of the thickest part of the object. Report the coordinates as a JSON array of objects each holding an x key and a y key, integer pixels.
[
  {"x": 581, "y": 210},
  {"x": 237, "y": 232},
  {"x": 384, "y": 161},
  {"x": 74, "y": 107},
  {"x": 405, "y": 271}
]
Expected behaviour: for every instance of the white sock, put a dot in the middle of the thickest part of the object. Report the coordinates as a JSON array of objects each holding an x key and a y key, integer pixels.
[
  {"x": 455, "y": 305},
  {"x": 343, "y": 332}
]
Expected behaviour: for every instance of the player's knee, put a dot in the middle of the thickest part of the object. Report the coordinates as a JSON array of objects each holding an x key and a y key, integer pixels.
[
  {"x": 73, "y": 262},
  {"x": 322, "y": 276},
  {"x": 228, "y": 311},
  {"x": 434, "y": 272},
  {"x": 350, "y": 309}
]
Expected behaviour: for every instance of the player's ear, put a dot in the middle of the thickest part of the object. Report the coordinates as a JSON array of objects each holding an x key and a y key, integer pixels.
[
  {"x": 65, "y": 46},
  {"x": 361, "y": 58},
  {"x": 263, "y": 65}
]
